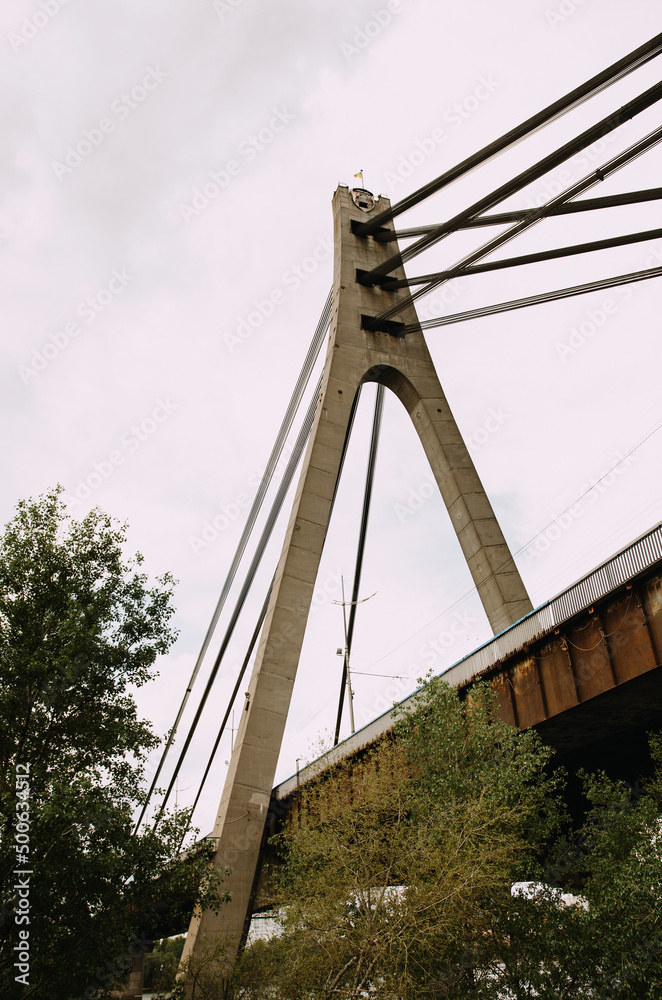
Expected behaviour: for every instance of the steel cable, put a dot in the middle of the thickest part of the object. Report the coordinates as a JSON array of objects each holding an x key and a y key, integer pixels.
[
  {"x": 283, "y": 488},
  {"x": 608, "y": 124},
  {"x": 617, "y": 71},
  {"x": 286, "y": 425},
  {"x": 350, "y": 424},
  {"x": 536, "y": 215},
  {"x": 363, "y": 530}
]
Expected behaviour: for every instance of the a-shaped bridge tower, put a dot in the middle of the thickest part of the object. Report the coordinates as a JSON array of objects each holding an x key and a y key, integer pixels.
[{"x": 355, "y": 355}]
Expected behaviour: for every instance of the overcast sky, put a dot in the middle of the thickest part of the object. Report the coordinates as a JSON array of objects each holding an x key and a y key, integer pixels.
[{"x": 165, "y": 239}]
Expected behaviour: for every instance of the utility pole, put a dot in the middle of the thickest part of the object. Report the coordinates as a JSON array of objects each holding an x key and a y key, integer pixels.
[
  {"x": 350, "y": 693},
  {"x": 232, "y": 731}
]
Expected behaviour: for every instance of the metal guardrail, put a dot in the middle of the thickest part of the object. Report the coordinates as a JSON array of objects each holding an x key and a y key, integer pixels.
[
  {"x": 632, "y": 560},
  {"x": 626, "y": 564}
]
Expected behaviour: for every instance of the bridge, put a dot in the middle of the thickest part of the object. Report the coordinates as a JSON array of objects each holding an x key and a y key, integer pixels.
[{"x": 582, "y": 668}]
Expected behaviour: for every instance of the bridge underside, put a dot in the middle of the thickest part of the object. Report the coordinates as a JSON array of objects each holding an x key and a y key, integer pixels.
[
  {"x": 590, "y": 682},
  {"x": 609, "y": 732},
  {"x": 584, "y": 670},
  {"x": 593, "y": 687}
]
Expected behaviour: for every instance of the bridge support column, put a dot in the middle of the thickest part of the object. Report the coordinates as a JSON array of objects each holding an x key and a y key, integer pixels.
[{"x": 354, "y": 356}]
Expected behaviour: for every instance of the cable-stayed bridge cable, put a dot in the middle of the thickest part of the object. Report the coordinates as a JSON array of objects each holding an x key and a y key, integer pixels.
[
  {"x": 639, "y": 57},
  {"x": 283, "y": 488},
  {"x": 501, "y": 218},
  {"x": 242, "y": 671},
  {"x": 596, "y": 176},
  {"x": 534, "y": 258},
  {"x": 608, "y": 124},
  {"x": 365, "y": 513},
  {"x": 534, "y": 300},
  {"x": 265, "y": 607},
  {"x": 276, "y": 451}
]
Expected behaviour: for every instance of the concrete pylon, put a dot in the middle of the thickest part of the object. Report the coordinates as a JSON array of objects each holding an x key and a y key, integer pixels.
[{"x": 354, "y": 356}]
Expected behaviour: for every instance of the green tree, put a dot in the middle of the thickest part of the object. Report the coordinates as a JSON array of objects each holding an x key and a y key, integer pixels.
[
  {"x": 398, "y": 870},
  {"x": 162, "y": 963},
  {"x": 79, "y": 626},
  {"x": 388, "y": 859},
  {"x": 604, "y": 940}
]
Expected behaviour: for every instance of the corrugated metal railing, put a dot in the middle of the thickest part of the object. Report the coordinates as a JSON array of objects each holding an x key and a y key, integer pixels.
[{"x": 626, "y": 564}]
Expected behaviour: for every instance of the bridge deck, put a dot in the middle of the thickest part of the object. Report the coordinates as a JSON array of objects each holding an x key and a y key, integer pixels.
[{"x": 602, "y": 633}]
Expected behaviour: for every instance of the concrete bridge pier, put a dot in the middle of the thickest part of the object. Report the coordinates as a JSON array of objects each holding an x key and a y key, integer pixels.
[{"x": 355, "y": 355}]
